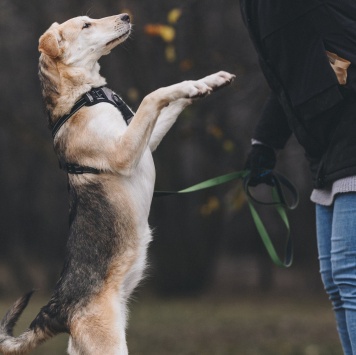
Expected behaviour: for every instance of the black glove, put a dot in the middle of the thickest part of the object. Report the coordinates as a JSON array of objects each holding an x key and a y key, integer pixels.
[{"x": 261, "y": 161}]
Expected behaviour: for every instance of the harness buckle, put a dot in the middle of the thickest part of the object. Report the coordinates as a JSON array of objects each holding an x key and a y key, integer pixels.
[
  {"x": 98, "y": 94},
  {"x": 89, "y": 99},
  {"x": 95, "y": 96}
]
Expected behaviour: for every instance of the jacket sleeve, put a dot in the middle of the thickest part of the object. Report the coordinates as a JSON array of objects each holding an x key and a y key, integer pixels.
[{"x": 272, "y": 128}]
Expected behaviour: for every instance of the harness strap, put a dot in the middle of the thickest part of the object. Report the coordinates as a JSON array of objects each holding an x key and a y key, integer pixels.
[
  {"x": 93, "y": 97},
  {"x": 77, "y": 169}
]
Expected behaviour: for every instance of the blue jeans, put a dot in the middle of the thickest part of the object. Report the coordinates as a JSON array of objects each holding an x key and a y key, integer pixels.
[{"x": 336, "y": 234}]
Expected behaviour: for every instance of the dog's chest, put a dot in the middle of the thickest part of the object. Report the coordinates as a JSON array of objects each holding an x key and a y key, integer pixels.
[
  {"x": 142, "y": 183},
  {"x": 106, "y": 121}
]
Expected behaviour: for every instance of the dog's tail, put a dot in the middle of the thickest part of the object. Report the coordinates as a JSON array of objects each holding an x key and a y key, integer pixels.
[{"x": 28, "y": 340}]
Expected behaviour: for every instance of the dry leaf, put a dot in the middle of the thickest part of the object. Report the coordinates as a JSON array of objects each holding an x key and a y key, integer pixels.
[
  {"x": 174, "y": 15},
  {"x": 167, "y": 33}
]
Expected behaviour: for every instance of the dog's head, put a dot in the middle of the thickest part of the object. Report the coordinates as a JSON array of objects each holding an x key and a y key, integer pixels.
[{"x": 81, "y": 41}]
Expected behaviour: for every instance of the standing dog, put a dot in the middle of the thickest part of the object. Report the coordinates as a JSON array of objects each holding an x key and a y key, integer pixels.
[{"x": 110, "y": 202}]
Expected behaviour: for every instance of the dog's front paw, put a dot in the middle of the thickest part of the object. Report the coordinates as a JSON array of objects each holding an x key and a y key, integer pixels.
[
  {"x": 218, "y": 80},
  {"x": 197, "y": 89}
]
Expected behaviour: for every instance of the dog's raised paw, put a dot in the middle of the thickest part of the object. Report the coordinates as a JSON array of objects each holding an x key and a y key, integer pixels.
[
  {"x": 218, "y": 80},
  {"x": 197, "y": 89}
]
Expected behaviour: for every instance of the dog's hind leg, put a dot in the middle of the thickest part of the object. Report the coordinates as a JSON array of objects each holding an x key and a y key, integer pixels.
[{"x": 100, "y": 328}]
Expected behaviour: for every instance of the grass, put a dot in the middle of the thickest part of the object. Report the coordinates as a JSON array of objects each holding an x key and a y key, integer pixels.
[{"x": 250, "y": 325}]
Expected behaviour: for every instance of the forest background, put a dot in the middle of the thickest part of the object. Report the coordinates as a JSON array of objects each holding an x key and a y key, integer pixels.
[
  {"x": 203, "y": 241},
  {"x": 207, "y": 262}
]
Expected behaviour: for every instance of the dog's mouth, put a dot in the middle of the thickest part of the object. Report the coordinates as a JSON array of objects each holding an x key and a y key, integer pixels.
[{"x": 126, "y": 34}]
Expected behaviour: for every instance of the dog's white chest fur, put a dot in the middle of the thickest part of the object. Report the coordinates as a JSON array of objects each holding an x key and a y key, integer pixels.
[{"x": 108, "y": 125}]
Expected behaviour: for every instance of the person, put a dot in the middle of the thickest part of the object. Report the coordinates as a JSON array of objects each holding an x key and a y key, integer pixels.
[{"x": 307, "y": 52}]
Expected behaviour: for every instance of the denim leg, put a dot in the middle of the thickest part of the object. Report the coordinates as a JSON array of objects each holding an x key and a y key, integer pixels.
[
  {"x": 343, "y": 258},
  {"x": 324, "y": 224}
]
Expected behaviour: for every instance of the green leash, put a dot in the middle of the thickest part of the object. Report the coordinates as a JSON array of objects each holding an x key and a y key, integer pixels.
[{"x": 279, "y": 202}]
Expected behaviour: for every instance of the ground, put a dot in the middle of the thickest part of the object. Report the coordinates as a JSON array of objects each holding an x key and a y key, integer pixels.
[{"x": 244, "y": 325}]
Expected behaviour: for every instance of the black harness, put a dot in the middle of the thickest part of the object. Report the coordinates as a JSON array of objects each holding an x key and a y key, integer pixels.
[{"x": 93, "y": 97}]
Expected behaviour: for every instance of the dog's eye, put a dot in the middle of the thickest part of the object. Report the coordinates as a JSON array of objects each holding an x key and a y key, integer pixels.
[{"x": 86, "y": 25}]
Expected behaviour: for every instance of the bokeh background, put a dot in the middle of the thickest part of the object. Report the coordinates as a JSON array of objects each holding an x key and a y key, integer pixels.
[{"x": 211, "y": 287}]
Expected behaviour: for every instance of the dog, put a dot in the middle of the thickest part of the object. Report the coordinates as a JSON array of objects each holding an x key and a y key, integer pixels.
[{"x": 109, "y": 204}]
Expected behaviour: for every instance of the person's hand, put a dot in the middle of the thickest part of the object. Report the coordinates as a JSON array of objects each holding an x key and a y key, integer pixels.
[{"x": 261, "y": 161}]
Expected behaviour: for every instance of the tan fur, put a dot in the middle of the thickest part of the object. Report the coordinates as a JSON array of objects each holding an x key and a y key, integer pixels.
[{"x": 49, "y": 45}]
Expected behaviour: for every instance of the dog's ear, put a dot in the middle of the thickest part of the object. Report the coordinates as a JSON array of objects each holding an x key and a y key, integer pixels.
[{"x": 49, "y": 42}]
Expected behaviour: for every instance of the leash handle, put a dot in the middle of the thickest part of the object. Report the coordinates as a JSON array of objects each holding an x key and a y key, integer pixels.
[
  {"x": 278, "y": 201},
  {"x": 278, "y": 182},
  {"x": 281, "y": 210}
]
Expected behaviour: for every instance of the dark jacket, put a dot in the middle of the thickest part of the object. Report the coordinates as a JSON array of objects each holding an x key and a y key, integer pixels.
[{"x": 291, "y": 38}]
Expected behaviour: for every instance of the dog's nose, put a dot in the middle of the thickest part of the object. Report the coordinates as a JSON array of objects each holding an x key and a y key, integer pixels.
[{"x": 125, "y": 18}]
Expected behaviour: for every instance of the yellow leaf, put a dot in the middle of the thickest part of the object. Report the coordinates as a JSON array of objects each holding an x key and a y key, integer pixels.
[
  {"x": 174, "y": 15},
  {"x": 239, "y": 201},
  {"x": 215, "y": 131},
  {"x": 186, "y": 65},
  {"x": 167, "y": 33},
  {"x": 133, "y": 94},
  {"x": 170, "y": 53},
  {"x": 212, "y": 205},
  {"x": 235, "y": 199},
  {"x": 228, "y": 145}
]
